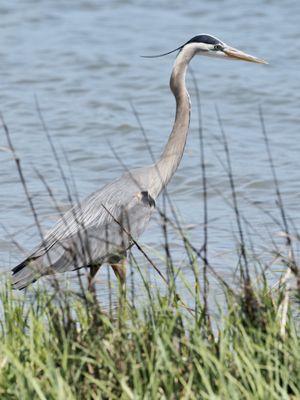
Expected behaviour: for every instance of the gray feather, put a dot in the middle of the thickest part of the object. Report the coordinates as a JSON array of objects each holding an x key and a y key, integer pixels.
[{"x": 91, "y": 232}]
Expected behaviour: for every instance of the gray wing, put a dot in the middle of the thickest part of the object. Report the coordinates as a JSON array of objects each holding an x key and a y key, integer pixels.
[{"x": 93, "y": 232}]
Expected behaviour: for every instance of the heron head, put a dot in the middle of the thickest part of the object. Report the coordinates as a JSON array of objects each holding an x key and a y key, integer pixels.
[{"x": 211, "y": 46}]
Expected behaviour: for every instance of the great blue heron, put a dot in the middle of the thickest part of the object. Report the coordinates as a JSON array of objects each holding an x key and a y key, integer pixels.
[{"x": 102, "y": 227}]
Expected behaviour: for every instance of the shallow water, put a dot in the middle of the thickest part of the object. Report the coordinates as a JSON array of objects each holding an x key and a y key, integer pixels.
[{"x": 81, "y": 59}]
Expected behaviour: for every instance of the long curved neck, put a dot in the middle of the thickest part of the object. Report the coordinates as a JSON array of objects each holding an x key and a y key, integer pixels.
[{"x": 168, "y": 162}]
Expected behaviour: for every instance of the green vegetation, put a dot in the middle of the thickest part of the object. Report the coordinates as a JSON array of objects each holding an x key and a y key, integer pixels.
[{"x": 65, "y": 347}]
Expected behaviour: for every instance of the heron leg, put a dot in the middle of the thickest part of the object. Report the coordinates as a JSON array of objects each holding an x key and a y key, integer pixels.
[
  {"x": 120, "y": 270},
  {"x": 94, "y": 268}
]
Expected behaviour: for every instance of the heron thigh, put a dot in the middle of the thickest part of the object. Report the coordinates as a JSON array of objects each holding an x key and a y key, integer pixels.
[
  {"x": 120, "y": 270},
  {"x": 94, "y": 268}
]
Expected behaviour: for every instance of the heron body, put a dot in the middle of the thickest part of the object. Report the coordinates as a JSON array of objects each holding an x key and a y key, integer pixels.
[{"x": 105, "y": 225}]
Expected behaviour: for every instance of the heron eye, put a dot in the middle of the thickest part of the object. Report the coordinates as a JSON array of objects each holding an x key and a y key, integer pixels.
[{"x": 218, "y": 47}]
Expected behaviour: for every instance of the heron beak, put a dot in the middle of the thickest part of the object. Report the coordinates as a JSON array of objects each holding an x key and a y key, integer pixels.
[{"x": 233, "y": 53}]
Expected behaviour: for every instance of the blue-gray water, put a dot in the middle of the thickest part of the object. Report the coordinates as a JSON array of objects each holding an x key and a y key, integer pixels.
[{"x": 81, "y": 59}]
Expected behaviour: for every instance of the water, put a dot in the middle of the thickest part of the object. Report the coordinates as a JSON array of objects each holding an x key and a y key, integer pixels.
[{"x": 82, "y": 62}]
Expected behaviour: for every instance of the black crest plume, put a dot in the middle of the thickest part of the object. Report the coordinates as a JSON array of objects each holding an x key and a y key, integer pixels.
[{"x": 207, "y": 39}]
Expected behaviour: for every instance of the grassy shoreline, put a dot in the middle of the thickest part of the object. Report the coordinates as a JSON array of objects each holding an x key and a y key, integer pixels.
[{"x": 66, "y": 347}]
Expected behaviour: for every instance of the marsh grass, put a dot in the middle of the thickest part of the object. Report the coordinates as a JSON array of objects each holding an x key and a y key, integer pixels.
[{"x": 60, "y": 348}]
